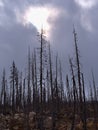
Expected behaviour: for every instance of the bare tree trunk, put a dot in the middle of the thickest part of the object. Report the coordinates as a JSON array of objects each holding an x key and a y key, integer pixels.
[
  {"x": 61, "y": 86},
  {"x": 52, "y": 95},
  {"x": 20, "y": 92},
  {"x": 3, "y": 93},
  {"x": 68, "y": 91},
  {"x": 79, "y": 76},
  {"x": 51, "y": 75},
  {"x": 56, "y": 86},
  {"x": 24, "y": 98},
  {"x": 28, "y": 80},
  {"x": 78, "y": 67},
  {"x": 74, "y": 94},
  {"x": 36, "y": 85},
  {"x": 95, "y": 102},
  {"x": 84, "y": 105},
  {"x": 12, "y": 77},
  {"x": 17, "y": 90},
  {"x": 33, "y": 81},
  {"x": 48, "y": 90},
  {"x": 41, "y": 71}
]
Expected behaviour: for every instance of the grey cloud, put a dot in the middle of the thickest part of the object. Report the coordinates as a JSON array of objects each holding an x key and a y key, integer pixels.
[
  {"x": 14, "y": 36},
  {"x": 14, "y": 43},
  {"x": 63, "y": 38}
]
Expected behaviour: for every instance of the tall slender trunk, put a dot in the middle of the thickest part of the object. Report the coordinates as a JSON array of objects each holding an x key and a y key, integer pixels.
[
  {"x": 74, "y": 94},
  {"x": 84, "y": 105}
]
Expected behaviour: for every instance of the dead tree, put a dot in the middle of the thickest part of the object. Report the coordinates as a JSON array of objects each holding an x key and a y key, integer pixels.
[
  {"x": 68, "y": 91},
  {"x": 51, "y": 75},
  {"x": 84, "y": 105},
  {"x": 48, "y": 90},
  {"x": 56, "y": 87},
  {"x": 80, "y": 80},
  {"x": 95, "y": 104},
  {"x": 33, "y": 81},
  {"x": 41, "y": 69},
  {"x": 12, "y": 82},
  {"x": 28, "y": 82},
  {"x": 52, "y": 90},
  {"x": 36, "y": 83},
  {"x": 24, "y": 94},
  {"x": 74, "y": 94},
  {"x": 78, "y": 67},
  {"x": 42, "y": 74},
  {"x": 61, "y": 84},
  {"x": 3, "y": 93},
  {"x": 17, "y": 90},
  {"x": 20, "y": 92}
]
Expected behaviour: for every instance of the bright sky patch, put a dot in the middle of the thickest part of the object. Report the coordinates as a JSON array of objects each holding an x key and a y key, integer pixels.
[
  {"x": 86, "y": 3},
  {"x": 40, "y": 17}
]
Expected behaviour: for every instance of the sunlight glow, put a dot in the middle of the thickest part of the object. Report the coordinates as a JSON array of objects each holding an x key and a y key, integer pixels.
[
  {"x": 1, "y": 3},
  {"x": 86, "y": 3},
  {"x": 40, "y": 17}
]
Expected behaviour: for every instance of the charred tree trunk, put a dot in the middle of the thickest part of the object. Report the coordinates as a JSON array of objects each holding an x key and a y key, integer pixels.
[
  {"x": 74, "y": 94},
  {"x": 95, "y": 105},
  {"x": 3, "y": 93},
  {"x": 68, "y": 91},
  {"x": 28, "y": 83},
  {"x": 84, "y": 105}
]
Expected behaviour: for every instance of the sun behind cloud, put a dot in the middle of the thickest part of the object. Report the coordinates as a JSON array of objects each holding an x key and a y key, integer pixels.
[
  {"x": 86, "y": 3},
  {"x": 40, "y": 17}
]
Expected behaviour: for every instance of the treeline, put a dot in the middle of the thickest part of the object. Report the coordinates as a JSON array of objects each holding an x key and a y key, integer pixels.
[{"x": 41, "y": 87}]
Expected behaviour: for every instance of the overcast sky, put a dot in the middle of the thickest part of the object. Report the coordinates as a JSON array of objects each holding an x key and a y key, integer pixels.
[{"x": 17, "y": 31}]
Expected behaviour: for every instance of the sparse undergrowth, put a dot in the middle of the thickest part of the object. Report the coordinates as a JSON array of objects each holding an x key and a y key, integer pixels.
[{"x": 21, "y": 121}]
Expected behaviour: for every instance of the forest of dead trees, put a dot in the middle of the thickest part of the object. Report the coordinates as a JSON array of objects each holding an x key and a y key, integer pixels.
[{"x": 43, "y": 88}]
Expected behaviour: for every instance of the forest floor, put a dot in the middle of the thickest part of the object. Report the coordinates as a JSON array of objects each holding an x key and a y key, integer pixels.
[{"x": 63, "y": 121}]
